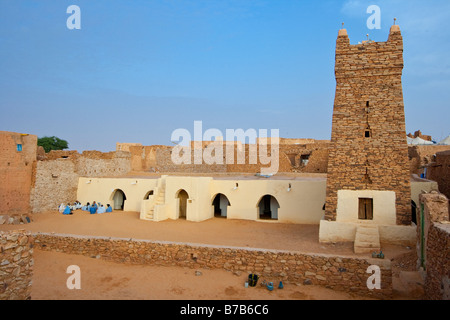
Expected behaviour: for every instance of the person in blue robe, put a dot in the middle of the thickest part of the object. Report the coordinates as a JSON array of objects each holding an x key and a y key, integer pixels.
[
  {"x": 101, "y": 209},
  {"x": 93, "y": 209},
  {"x": 67, "y": 210}
]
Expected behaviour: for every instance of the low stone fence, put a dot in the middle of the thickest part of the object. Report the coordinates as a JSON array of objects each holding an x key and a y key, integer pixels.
[
  {"x": 437, "y": 282},
  {"x": 16, "y": 265},
  {"x": 434, "y": 245},
  {"x": 347, "y": 274}
]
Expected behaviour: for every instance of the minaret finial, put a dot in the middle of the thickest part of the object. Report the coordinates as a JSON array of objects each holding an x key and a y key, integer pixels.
[
  {"x": 342, "y": 25},
  {"x": 395, "y": 19}
]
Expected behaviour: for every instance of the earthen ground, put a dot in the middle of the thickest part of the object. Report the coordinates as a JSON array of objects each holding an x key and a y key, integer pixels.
[{"x": 111, "y": 281}]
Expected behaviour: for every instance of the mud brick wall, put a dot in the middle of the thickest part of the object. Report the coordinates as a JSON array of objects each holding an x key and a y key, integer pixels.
[
  {"x": 143, "y": 158},
  {"x": 436, "y": 234},
  {"x": 16, "y": 265},
  {"x": 164, "y": 163},
  {"x": 16, "y": 172},
  {"x": 56, "y": 177},
  {"x": 439, "y": 171},
  {"x": 158, "y": 159},
  {"x": 437, "y": 282},
  {"x": 317, "y": 152},
  {"x": 369, "y": 74},
  {"x": 338, "y": 273},
  {"x": 423, "y": 156}
]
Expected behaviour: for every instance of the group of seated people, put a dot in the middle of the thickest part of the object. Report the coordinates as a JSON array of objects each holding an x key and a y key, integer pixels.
[
  {"x": 96, "y": 208},
  {"x": 91, "y": 208}
]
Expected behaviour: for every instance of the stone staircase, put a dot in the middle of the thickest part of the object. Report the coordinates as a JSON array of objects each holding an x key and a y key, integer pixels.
[
  {"x": 367, "y": 239},
  {"x": 160, "y": 197}
]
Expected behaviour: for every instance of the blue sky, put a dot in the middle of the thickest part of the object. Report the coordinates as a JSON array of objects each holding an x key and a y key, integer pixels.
[{"x": 138, "y": 70}]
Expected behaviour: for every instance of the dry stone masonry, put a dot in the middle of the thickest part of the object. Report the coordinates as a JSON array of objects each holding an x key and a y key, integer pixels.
[
  {"x": 56, "y": 177},
  {"x": 335, "y": 272},
  {"x": 368, "y": 149},
  {"x": 434, "y": 245},
  {"x": 16, "y": 265}
]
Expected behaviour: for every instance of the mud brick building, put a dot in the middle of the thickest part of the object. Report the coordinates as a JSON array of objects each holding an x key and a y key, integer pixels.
[
  {"x": 17, "y": 160},
  {"x": 439, "y": 171}
]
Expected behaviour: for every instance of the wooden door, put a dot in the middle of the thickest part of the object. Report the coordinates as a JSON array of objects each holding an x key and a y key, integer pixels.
[{"x": 365, "y": 209}]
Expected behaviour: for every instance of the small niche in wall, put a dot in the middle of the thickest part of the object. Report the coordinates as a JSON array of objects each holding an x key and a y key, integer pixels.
[
  {"x": 19, "y": 147},
  {"x": 368, "y": 132}
]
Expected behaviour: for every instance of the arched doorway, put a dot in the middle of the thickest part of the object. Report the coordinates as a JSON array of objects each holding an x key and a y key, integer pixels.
[
  {"x": 148, "y": 194},
  {"x": 220, "y": 204},
  {"x": 183, "y": 197},
  {"x": 268, "y": 208},
  {"x": 413, "y": 212},
  {"x": 118, "y": 199}
]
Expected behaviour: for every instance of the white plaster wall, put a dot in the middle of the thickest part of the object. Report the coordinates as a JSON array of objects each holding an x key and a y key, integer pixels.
[
  {"x": 332, "y": 231},
  {"x": 302, "y": 204},
  {"x": 102, "y": 189},
  {"x": 418, "y": 186},
  {"x": 198, "y": 204},
  {"x": 384, "y": 211}
]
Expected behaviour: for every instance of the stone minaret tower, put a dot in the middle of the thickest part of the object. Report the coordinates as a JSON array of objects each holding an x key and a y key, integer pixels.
[{"x": 368, "y": 170}]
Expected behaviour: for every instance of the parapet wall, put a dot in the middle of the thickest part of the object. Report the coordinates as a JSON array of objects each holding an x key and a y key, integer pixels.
[
  {"x": 339, "y": 273},
  {"x": 16, "y": 265}
]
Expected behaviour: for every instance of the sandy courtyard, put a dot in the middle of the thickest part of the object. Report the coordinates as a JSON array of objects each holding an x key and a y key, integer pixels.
[{"x": 112, "y": 281}]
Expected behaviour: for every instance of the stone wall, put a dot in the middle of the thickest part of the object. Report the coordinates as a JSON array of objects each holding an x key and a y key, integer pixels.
[
  {"x": 164, "y": 163},
  {"x": 16, "y": 172},
  {"x": 436, "y": 246},
  {"x": 56, "y": 177},
  {"x": 418, "y": 134},
  {"x": 338, "y": 273},
  {"x": 315, "y": 154},
  {"x": 421, "y": 157},
  {"x": 16, "y": 265},
  {"x": 439, "y": 171},
  {"x": 437, "y": 282},
  {"x": 159, "y": 159},
  {"x": 368, "y": 149}
]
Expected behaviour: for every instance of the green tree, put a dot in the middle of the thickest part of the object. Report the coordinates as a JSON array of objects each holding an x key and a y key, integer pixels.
[{"x": 52, "y": 143}]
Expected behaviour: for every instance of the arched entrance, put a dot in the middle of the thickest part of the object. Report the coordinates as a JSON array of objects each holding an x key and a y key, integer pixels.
[
  {"x": 182, "y": 197},
  {"x": 148, "y": 194},
  {"x": 118, "y": 198},
  {"x": 220, "y": 204},
  {"x": 268, "y": 208}
]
